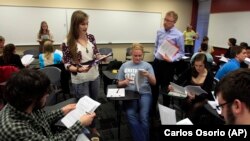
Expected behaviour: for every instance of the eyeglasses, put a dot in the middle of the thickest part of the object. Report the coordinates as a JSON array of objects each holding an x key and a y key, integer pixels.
[
  {"x": 221, "y": 105},
  {"x": 167, "y": 20}
]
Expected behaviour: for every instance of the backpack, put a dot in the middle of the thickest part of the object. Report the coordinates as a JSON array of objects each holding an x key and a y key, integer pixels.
[{"x": 114, "y": 65}]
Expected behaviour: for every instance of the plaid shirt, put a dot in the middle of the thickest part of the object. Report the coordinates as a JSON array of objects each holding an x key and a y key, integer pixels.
[{"x": 17, "y": 126}]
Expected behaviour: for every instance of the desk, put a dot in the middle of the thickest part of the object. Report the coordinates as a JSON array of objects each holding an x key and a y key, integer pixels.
[
  {"x": 129, "y": 95},
  {"x": 217, "y": 118},
  {"x": 108, "y": 78}
]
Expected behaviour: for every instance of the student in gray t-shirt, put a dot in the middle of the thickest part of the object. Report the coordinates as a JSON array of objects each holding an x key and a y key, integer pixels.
[{"x": 138, "y": 110}]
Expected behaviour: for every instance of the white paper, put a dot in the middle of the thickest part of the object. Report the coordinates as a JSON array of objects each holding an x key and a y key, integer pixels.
[
  {"x": 82, "y": 137},
  {"x": 59, "y": 52},
  {"x": 179, "y": 91},
  {"x": 27, "y": 59},
  {"x": 184, "y": 57},
  {"x": 116, "y": 92},
  {"x": 139, "y": 79},
  {"x": 247, "y": 61},
  {"x": 84, "y": 105},
  {"x": 185, "y": 121},
  {"x": 223, "y": 59},
  {"x": 214, "y": 105},
  {"x": 167, "y": 115},
  {"x": 167, "y": 49},
  {"x": 197, "y": 90}
]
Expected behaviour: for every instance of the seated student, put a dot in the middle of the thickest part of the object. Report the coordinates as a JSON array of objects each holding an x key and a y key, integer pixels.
[
  {"x": 198, "y": 75},
  {"x": 10, "y": 58},
  {"x": 23, "y": 117},
  {"x": 2, "y": 41},
  {"x": 49, "y": 57},
  {"x": 203, "y": 49},
  {"x": 137, "y": 110},
  {"x": 239, "y": 53},
  {"x": 231, "y": 43},
  {"x": 233, "y": 97},
  {"x": 210, "y": 48},
  {"x": 243, "y": 64}
]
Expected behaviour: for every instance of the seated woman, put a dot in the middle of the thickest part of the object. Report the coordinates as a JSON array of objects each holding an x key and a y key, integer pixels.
[
  {"x": 49, "y": 57},
  {"x": 197, "y": 75},
  {"x": 10, "y": 58},
  {"x": 137, "y": 110}
]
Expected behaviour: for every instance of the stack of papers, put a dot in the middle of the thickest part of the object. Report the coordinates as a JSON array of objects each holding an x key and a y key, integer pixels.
[
  {"x": 139, "y": 79},
  {"x": 116, "y": 92},
  {"x": 27, "y": 59},
  {"x": 84, "y": 105},
  {"x": 168, "y": 49},
  {"x": 168, "y": 117}
]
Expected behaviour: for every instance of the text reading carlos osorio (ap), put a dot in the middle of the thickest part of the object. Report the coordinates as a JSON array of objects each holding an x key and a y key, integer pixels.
[{"x": 200, "y": 132}]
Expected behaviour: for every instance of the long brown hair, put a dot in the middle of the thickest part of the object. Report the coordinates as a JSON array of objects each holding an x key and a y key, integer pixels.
[
  {"x": 76, "y": 19},
  {"x": 41, "y": 29}
]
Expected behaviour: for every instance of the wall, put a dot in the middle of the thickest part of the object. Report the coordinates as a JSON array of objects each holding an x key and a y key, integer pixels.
[
  {"x": 182, "y": 7},
  {"x": 229, "y": 18}
]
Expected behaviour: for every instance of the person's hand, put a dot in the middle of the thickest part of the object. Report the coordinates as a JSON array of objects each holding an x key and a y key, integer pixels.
[
  {"x": 170, "y": 88},
  {"x": 144, "y": 73},
  {"x": 66, "y": 109},
  {"x": 190, "y": 96},
  {"x": 87, "y": 119},
  {"x": 165, "y": 57},
  {"x": 126, "y": 81},
  {"x": 84, "y": 68}
]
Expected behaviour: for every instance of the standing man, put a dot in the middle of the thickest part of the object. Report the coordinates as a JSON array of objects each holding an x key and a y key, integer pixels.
[
  {"x": 233, "y": 97},
  {"x": 164, "y": 66}
]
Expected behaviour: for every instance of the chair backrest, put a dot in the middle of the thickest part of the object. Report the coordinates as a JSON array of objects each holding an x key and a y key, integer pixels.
[
  {"x": 34, "y": 52},
  {"x": 54, "y": 74},
  {"x": 105, "y": 51},
  {"x": 128, "y": 54}
]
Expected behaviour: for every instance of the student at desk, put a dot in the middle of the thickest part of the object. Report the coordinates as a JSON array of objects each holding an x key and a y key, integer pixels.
[
  {"x": 137, "y": 110},
  {"x": 198, "y": 75},
  {"x": 49, "y": 57},
  {"x": 233, "y": 97}
]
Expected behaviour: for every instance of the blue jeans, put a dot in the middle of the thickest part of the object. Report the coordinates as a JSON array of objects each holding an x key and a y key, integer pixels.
[
  {"x": 90, "y": 88},
  {"x": 138, "y": 116}
]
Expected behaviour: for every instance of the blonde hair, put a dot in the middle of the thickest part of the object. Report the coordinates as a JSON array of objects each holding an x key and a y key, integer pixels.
[
  {"x": 48, "y": 49},
  {"x": 137, "y": 46},
  {"x": 173, "y": 14}
]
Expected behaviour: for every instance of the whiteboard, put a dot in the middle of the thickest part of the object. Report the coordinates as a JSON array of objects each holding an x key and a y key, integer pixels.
[
  {"x": 121, "y": 26},
  {"x": 223, "y": 26},
  {"x": 20, "y": 25}
]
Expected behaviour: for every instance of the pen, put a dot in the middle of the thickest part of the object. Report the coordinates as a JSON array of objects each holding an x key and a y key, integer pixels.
[
  {"x": 117, "y": 91},
  {"x": 88, "y": 113}
]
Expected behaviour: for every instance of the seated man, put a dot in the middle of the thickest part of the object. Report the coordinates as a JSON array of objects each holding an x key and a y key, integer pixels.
[
  {"x": 239, "y": 53},
  {"x": 23, "y": 118},
  {"x": 233, "y": 97}
]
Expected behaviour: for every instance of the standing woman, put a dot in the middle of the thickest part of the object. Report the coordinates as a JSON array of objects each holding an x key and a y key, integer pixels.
[
  {"x": 43, "y": 35},
  {"x": 10, "y": 58},
  {"x": 138, "y": 110},
  {"x": 80, "y": 47}
]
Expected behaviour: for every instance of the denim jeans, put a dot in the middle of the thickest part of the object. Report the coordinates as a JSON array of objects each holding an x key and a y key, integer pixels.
[
  {"x": 90, "y": 88},
  {"x": 138, "y": 116}
]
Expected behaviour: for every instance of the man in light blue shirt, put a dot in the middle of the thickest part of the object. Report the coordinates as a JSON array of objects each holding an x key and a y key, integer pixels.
[
  {"x": 239, "y": 54},
  {"x": 165, "y": 66}
]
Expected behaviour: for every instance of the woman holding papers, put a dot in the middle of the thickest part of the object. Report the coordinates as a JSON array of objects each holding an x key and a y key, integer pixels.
[
  {"x": 198, "y": 75},
  {"x": 137, "y": 110},
  {"x": 49, "y": 57},
  {"x": 10, "y": 58},
  {"x": 78, "y": 49},
  {"x": 43, "y": 35}
]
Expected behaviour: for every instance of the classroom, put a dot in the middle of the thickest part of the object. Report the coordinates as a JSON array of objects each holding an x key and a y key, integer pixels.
[{"x": 132, "y": 67}]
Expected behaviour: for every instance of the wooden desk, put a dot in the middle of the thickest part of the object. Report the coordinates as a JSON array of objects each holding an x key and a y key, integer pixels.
[{"x": 129, "y": 95}]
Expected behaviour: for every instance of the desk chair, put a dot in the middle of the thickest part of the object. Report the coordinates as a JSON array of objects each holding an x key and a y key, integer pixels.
[
  {"x": 105, "y": 51},
  {"x": 54, "y": 74},
  {"x": 34, "y": 52}
]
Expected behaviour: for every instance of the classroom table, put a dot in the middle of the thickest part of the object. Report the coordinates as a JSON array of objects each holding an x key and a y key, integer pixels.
[{"x": 129, "y": 95}]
